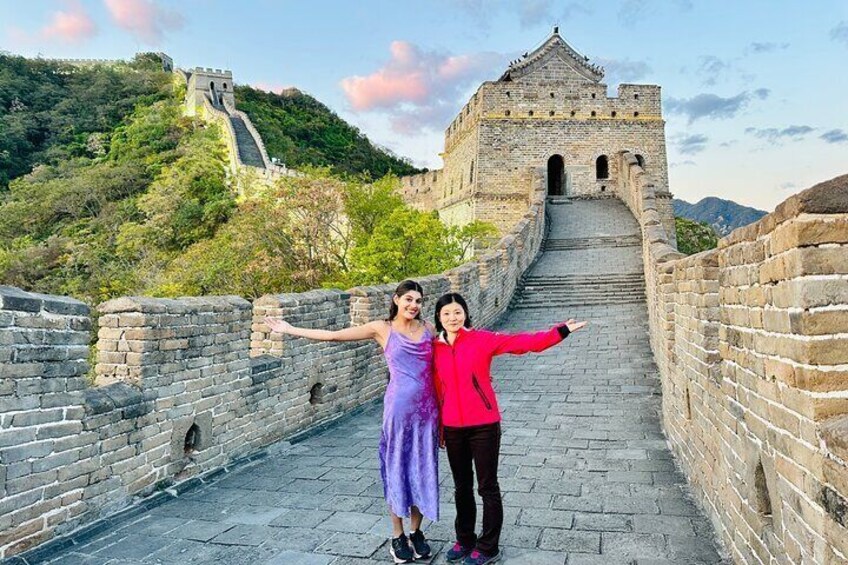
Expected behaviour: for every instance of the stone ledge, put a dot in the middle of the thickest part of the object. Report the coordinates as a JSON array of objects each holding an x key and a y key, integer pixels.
[
  {"x": 187, "y": 305},
  {"x": 262, "y": 367},
  {"x": 112, "y": 397},
  {"x": 310, "y": 298},
  {"x": 15, "y": 299}
]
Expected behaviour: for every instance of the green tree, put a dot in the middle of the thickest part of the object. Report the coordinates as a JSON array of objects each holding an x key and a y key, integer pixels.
[{"x": 694, "y": 237}]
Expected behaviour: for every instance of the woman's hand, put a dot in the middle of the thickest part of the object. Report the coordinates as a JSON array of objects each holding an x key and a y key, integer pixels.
[
  {"x": 573, "y": 325},
  {"x": 279, "y": 326}
]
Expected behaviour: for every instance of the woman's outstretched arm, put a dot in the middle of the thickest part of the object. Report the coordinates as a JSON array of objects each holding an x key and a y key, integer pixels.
[
  {"x": 371, "y": 330},
  {"x": 520, "y": 343}
]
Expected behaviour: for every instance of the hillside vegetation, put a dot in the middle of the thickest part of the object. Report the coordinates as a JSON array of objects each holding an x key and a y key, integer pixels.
[
  {"x": 694, "y": 237},
  {"x": 299, "y": 130},
  {"x": 50, "y": 112},
  {"x": 133, "y": 198}
]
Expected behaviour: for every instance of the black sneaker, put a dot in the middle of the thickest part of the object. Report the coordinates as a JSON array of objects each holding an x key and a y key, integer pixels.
[
  {"x": 420, "y": 547},
  {"x": 400, "y": 550}
]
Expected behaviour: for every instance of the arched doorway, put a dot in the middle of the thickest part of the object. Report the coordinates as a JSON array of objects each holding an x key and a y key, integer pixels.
[{"x": 556, "y": 176}]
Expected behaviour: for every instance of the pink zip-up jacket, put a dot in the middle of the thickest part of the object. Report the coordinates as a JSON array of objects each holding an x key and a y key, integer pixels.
[{"x": 462, "y": 371}]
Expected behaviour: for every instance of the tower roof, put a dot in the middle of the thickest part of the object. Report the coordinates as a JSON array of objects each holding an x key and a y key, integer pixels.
[{"x": 554, "y": 46}]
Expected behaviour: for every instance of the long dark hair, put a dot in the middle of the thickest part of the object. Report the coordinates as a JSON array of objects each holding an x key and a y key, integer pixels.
[
  {"x": 402, "y": 289},
  {"x": 451, "y": 298}
]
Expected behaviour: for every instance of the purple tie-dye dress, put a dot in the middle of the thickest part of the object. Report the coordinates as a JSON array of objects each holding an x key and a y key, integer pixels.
[{"x": 409, "y": 446}]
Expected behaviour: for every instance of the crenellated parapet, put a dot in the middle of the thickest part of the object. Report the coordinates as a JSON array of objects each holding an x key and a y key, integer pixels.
[
  {"x": 185, "y": 387},
  {"x": 421, "y": 190},
  {"x": 751, "y": 340}
]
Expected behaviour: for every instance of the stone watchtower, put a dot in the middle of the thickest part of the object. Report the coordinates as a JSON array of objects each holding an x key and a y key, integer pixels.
[
  {"x": 215, "y": 84},
  {"x": 548, "y": 109}
]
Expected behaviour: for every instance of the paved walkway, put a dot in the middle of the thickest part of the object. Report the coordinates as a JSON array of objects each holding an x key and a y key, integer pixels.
[{"x": 586, "y": 475}]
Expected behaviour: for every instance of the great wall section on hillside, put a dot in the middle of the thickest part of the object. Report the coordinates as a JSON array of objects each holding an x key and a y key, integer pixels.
[{"x": 749, "y": 347}]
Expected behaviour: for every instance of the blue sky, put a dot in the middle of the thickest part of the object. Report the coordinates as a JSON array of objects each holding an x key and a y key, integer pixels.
[{"x": 753, "y": 92}]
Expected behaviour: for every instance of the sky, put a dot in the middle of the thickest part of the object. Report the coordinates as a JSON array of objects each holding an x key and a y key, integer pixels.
[{"x": 754, "y": 92}]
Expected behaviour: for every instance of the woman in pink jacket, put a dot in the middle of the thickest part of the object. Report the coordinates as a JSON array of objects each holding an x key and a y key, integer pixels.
[{"x": 471, "y": 419}]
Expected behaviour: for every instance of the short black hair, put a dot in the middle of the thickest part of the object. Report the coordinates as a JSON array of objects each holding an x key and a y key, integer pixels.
[{"x": 451, "y": 298}]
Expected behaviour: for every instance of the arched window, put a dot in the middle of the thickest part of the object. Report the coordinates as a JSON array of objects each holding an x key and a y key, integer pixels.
[
  {"x": 602, "y": 167},
  {"x": 211, "y": 85},
  {"x": 640, "y": 160},
  {"x": 225, "y": 86}
]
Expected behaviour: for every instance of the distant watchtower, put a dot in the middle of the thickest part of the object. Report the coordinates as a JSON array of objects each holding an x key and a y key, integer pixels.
[
  {"x": 216, "y": 84},
  {"x": 548, "y": 109}
]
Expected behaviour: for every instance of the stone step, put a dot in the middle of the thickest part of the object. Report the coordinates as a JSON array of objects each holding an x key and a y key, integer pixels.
[
  {"x": 580, "y": 295},
  {"x": 588, "y": 276},
  {"x": 526, "y": 305},
  {"x": 593, "y": 242},
  {"x": 578, "y": 282},
  {"x": 610, "y": 287},
  {"x": 581, "y": 292},
  {"x": 566, "y": 281}
]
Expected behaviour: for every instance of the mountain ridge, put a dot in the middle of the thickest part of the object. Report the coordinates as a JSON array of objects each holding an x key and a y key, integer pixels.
[{"x": 722, "y": 215}]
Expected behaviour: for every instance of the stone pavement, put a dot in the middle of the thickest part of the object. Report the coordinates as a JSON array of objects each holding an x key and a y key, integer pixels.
[{"x": 585, "y": 471}]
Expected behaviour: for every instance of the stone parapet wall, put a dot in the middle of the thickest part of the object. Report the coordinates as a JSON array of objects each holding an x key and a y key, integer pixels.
[
  {"x": 420, "y": 191},
  {"x": 186, "y": 386},
  {"x": 752, "y": 344},
  {"x": 221, "y": 118}
]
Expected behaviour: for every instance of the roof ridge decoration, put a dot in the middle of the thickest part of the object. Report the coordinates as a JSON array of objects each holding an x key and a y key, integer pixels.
[{"x": 527, "y": 62}]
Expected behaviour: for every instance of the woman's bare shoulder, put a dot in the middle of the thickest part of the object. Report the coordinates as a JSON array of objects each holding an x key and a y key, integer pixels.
[{"x": 380, "y": 327}]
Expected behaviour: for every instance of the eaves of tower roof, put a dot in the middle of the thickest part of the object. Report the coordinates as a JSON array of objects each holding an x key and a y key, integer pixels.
[{"x": 553, "y": 46}]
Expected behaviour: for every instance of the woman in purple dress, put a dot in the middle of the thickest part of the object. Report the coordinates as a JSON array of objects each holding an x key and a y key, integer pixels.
[{"x": 409, "y": 444}]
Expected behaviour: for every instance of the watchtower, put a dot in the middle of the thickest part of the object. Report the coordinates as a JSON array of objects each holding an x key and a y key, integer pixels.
[{"x": 215, "y": 84}]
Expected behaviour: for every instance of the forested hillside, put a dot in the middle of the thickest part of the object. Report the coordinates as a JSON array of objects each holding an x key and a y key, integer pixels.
[
  {"x": 299, "y": 130},
  {"x": 110, "y": 190},
  {"x": 51, "y": 112}
]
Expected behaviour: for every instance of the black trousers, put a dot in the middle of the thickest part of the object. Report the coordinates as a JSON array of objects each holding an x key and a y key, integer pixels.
[{"x": 479, "y": 446}]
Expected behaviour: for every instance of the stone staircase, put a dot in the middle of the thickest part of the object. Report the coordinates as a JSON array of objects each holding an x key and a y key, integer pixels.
[
  {"x": 591, "y": 242},
  {"x": 579, "y": 290},
  {"x": 247, "y": 148},
  {"x": 591, "y": 262}
]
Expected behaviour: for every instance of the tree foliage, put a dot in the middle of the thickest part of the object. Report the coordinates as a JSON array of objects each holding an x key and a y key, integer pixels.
[
  {"x": 299, "y": 130},
  {"x": 51, "y": 111},
  {"x": 694, "y": 237},
  {"x": 97, "y": 227}
]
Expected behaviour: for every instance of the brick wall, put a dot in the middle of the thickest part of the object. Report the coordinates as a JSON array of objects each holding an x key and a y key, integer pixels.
[
  {"x": 185, "y": 386},
  {"x": 752, "y": 344}
]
